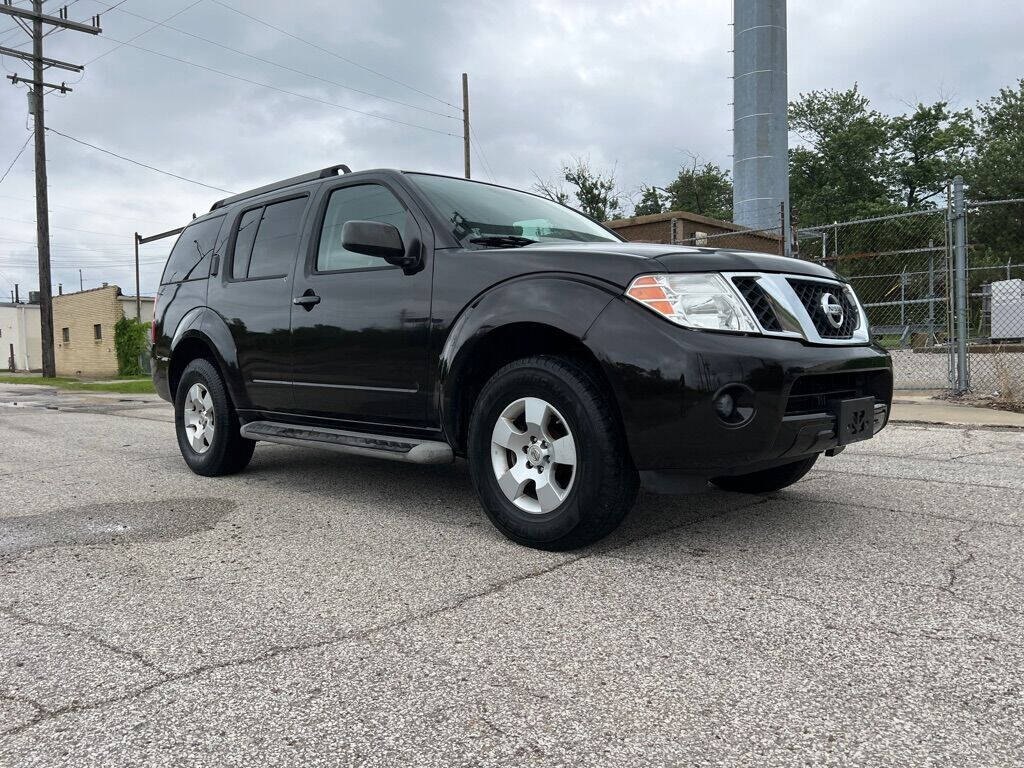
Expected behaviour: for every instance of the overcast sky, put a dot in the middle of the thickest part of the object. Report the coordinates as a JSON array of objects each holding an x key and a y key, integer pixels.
[{"x": 639, "y": 86}]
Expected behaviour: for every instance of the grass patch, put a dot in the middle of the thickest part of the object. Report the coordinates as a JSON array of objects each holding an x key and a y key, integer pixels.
[{"x": 131, "y": 385}]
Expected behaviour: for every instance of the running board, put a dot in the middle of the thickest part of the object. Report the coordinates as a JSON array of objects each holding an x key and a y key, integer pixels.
[{"x": 359, "y": 443}]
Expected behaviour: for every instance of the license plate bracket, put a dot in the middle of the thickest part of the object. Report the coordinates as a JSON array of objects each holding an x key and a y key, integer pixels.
[{"x": 855, "y": 420}]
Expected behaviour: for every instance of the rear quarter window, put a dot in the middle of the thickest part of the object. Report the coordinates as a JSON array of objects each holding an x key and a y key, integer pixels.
[{"x": 190, "y": 258}]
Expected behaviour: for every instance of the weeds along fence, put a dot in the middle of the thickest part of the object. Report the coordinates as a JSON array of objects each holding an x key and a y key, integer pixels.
[{"x": 943, "y": 288}]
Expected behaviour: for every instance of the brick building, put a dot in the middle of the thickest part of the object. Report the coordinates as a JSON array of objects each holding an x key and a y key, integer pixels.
[
  {"x": 83, "y": 329},
  {"x": 685, "y": 228}
]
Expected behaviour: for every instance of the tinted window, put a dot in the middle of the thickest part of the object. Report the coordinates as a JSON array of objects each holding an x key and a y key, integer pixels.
[
  {"x": 366, "y": 202},
  {"x": 273, "y": 252},
  {"x": 243, "y": 243},
  {"x": 190, "y": 257}
]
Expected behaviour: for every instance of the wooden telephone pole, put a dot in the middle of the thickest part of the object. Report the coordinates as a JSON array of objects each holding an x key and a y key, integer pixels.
[{"x": 32, "y": 22}]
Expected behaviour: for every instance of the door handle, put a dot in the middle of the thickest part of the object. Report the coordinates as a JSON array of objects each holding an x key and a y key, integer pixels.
[{"x": 308, "y": 300}]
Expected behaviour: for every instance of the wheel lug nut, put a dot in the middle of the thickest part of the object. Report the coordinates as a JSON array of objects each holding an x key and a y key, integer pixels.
[
  {"x": 529, "y": 465},
  {"x": 525, "y": 449},
  {"x": 540, "y": 470}
]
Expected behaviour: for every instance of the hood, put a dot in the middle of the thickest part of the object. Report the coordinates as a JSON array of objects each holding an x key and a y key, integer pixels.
[{"x": 621, "y": 262}]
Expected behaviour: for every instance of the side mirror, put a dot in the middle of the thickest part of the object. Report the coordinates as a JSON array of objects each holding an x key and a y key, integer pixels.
[{"x": 374, "y": 238}]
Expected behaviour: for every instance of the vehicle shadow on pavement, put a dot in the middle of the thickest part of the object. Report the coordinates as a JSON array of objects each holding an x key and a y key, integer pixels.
[{"x": 444, "y": 494}]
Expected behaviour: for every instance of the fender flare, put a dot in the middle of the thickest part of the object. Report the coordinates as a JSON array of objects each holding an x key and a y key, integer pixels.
[
  {"x": 204, "y": 325},
  {"x": 541, "y": 299}
]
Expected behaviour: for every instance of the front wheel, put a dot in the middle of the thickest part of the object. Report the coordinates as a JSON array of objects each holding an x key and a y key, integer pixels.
[
  {"x": 206, "y": 423},
  {"x": 547, "y": 455},
  {"x": 767, "y": 480}
]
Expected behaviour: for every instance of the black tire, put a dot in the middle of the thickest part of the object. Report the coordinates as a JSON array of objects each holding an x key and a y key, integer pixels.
[
  {"x": 767, "y": 480},
  {"x": 228, "y": 451},
  {"x": 605, "y": 483}
]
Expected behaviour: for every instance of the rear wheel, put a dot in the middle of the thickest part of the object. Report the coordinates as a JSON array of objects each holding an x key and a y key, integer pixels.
[
  {"x": 206, "y": 423},
  {"x": 547, "y": 455},
  {"x": 767, "y": 480}
]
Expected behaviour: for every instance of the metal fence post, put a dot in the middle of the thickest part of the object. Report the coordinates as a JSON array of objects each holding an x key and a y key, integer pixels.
[
  {"x": 931, "y": 291},
  {"x": 963, "y": 381}
]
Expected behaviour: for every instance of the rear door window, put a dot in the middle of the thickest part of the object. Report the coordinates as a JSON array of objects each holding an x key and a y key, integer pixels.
[
  {"x": 243, "y": 243},
  {"x": 191, "y": 255},
  {"x": 267, "y": 240}
]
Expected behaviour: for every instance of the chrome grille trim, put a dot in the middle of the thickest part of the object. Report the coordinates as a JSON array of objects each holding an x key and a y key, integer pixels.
[{"x": 791, "y": 313}]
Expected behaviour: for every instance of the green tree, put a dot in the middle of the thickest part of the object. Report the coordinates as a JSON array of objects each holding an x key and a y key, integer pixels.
[
  {"x": 704, "y": 190},
  {"x": 928, "y": 147},
  {"x": 652, "y": 200},
  {"x": 841, "y": 170},
  {"x": 594, "y": 191},
  {"x": 997, "y": 173},
  {"x": 551, "y": 190}
]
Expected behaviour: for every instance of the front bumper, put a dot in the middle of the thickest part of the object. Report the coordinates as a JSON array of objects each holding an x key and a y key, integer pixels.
[{"x": 665, "y": 378}]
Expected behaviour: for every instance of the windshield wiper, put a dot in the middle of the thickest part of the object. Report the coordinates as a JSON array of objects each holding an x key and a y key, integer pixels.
[{"x": 502, "y": 241}]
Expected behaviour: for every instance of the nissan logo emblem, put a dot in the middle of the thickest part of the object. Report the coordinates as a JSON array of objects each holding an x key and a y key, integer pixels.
[{"x": 833, "y": 309}]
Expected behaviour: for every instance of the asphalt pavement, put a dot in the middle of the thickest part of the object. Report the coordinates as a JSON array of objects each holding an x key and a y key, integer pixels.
[{"x": 326, "y": 610}]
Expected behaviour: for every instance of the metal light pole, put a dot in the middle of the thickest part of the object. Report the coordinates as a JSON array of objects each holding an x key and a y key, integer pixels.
[{"x": 760, "y": 165}]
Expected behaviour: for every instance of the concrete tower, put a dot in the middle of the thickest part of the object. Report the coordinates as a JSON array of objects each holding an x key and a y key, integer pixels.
[{"x": 760, "y": 164}]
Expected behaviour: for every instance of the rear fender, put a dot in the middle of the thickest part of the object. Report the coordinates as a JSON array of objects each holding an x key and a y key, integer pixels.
[{"x": 204, "y": 325}]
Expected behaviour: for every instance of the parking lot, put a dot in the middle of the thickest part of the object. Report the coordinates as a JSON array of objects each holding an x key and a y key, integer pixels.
[{"x": 330, "y": 610}]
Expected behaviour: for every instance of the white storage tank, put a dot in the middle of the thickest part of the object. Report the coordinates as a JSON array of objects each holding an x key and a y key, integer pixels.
[{"x": 1008, "y": 309}]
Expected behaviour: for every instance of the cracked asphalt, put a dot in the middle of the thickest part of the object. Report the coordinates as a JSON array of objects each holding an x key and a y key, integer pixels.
[{"x": 327, "y": 610}]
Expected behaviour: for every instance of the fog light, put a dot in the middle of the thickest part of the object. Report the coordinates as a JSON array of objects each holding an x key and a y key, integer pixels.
[
  {"x": 734, "y": 405},
  {"x": 725, "y": 406}
]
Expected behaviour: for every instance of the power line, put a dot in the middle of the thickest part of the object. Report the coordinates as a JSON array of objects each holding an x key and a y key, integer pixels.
[
  {"x": 288, "y": 68},
  {"x": 136, "y": 162},
  {"x": 286, "y": 91},
  {"x": 85, "y": 210},
  {"x": 143, "y": 32},
  {"x": 55, "y": 226},
  {"x": 480, "y": 151},
  {"x": 30, "y": 135},
  {"x": 332, "y": 53}
]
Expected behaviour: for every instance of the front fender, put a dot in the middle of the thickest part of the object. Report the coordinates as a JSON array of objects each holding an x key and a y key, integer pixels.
[{"x": 566, "y": 302}]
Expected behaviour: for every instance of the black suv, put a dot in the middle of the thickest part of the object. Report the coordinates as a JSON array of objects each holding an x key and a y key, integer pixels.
[{"x": 420, "y": 317}]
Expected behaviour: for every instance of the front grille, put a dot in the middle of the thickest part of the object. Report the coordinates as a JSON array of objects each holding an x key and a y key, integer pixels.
[
  {"x": 812, "y": 393},
  {"x": 810, "y": 292},
  {"x": 758, "y": 301}
]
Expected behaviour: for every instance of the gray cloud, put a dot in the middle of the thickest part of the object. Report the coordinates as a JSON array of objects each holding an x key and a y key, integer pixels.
[{"x": 636, "y": 86}]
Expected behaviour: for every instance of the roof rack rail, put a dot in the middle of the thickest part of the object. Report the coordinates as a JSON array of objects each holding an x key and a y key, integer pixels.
[{"x": 323, "y": 173}]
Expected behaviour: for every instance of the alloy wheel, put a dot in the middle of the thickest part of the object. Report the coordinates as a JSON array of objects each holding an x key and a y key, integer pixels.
[
  {"x": 198, "y": 417},
  {"x": 533, "y": 455}
]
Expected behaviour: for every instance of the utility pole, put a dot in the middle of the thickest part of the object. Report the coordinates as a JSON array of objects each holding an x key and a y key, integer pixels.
[
  {"x": 465, "y": 121},
  {"x": 81, "y": 285},
  {"x": 138, "y": 299},
  {"x": 39, "y": 64}
]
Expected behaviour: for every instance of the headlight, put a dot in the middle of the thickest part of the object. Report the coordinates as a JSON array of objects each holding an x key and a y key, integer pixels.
[{"x": 696, "y": 300}]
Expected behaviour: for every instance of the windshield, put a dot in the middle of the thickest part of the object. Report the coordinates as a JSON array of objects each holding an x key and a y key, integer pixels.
[{"x": 482, "y": 211}]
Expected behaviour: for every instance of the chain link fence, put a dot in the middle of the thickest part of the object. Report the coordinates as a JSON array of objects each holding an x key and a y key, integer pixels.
[
  {"x": 994, "y": 237},
  {"x": 908, "y": 270},
  {"x": 899, "y": 267}
]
